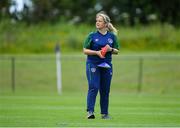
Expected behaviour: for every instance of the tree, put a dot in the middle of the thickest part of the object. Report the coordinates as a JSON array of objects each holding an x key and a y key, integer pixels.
[
  {"x": 168, "y": 11},
  {"x": 4, "y": 8},
  {"x": 130, "y": 12}
]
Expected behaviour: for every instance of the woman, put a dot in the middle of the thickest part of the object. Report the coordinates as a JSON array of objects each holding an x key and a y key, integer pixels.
[{"x": 98, "y": 65}]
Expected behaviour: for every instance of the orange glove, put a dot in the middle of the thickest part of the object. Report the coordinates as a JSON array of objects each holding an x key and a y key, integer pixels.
[{"x": 104, "y": 50}]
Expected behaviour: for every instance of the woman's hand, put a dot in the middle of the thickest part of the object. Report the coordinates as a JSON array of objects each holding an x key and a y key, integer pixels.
[
  {"x": 113, "y": 50},
  {"x": 93, "y": 52},
  {"x": 99, "y": 54},
  {"x": 109, "y": 49}
]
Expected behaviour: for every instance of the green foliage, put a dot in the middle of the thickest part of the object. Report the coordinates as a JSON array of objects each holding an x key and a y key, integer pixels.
[
  {"x": 129, "y": 12},
  {"x": 42, "y": 38},
  {"x": 4, "y": 8},
  {"x": 151, "y": 38}
]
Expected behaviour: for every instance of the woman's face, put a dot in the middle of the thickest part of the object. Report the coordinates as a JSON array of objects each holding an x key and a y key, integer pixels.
[{"x": 100, "y": 24}]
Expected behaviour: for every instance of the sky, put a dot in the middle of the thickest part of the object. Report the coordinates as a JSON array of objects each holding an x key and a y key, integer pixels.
[{"x": 19, "y": 5}]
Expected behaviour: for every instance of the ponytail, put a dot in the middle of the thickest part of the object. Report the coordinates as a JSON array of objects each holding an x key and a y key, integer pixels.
[{"x": 111, "y": 28}]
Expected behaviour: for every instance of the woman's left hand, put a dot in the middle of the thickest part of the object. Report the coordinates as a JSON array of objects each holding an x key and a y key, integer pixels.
[{"x": 108, "y": 48}]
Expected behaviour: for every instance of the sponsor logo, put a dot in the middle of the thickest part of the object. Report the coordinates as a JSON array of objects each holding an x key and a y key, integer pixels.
[
  {"x": 110, "y": 41},
  {"x": 96, "y": 40},
  {"x": 93, "y": 69}
]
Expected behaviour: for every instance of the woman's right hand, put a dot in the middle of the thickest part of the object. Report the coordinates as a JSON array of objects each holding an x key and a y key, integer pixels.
[
  {"x": 99, "y": 54},
  {"x": 92, "y": 52}
]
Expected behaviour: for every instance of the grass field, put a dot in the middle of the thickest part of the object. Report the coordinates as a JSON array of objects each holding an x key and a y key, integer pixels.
[
  {"x": 36, "y": 103},
  {"x": 67, "y": 110},
  {"x": 160, "y": 73}
]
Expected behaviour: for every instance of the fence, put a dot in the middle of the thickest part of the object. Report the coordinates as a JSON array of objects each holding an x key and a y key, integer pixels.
[{"x": 37, "y": 73}]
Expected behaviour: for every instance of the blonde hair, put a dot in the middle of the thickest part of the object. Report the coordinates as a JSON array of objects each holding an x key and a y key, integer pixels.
[{"x": 107, "y": 20}]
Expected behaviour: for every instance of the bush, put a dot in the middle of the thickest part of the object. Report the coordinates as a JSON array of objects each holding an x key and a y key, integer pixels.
[{"x": 42, "y": 38}]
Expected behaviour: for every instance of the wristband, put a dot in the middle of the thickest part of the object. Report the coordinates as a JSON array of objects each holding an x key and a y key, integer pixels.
[{"x": 112, "y": 50}]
